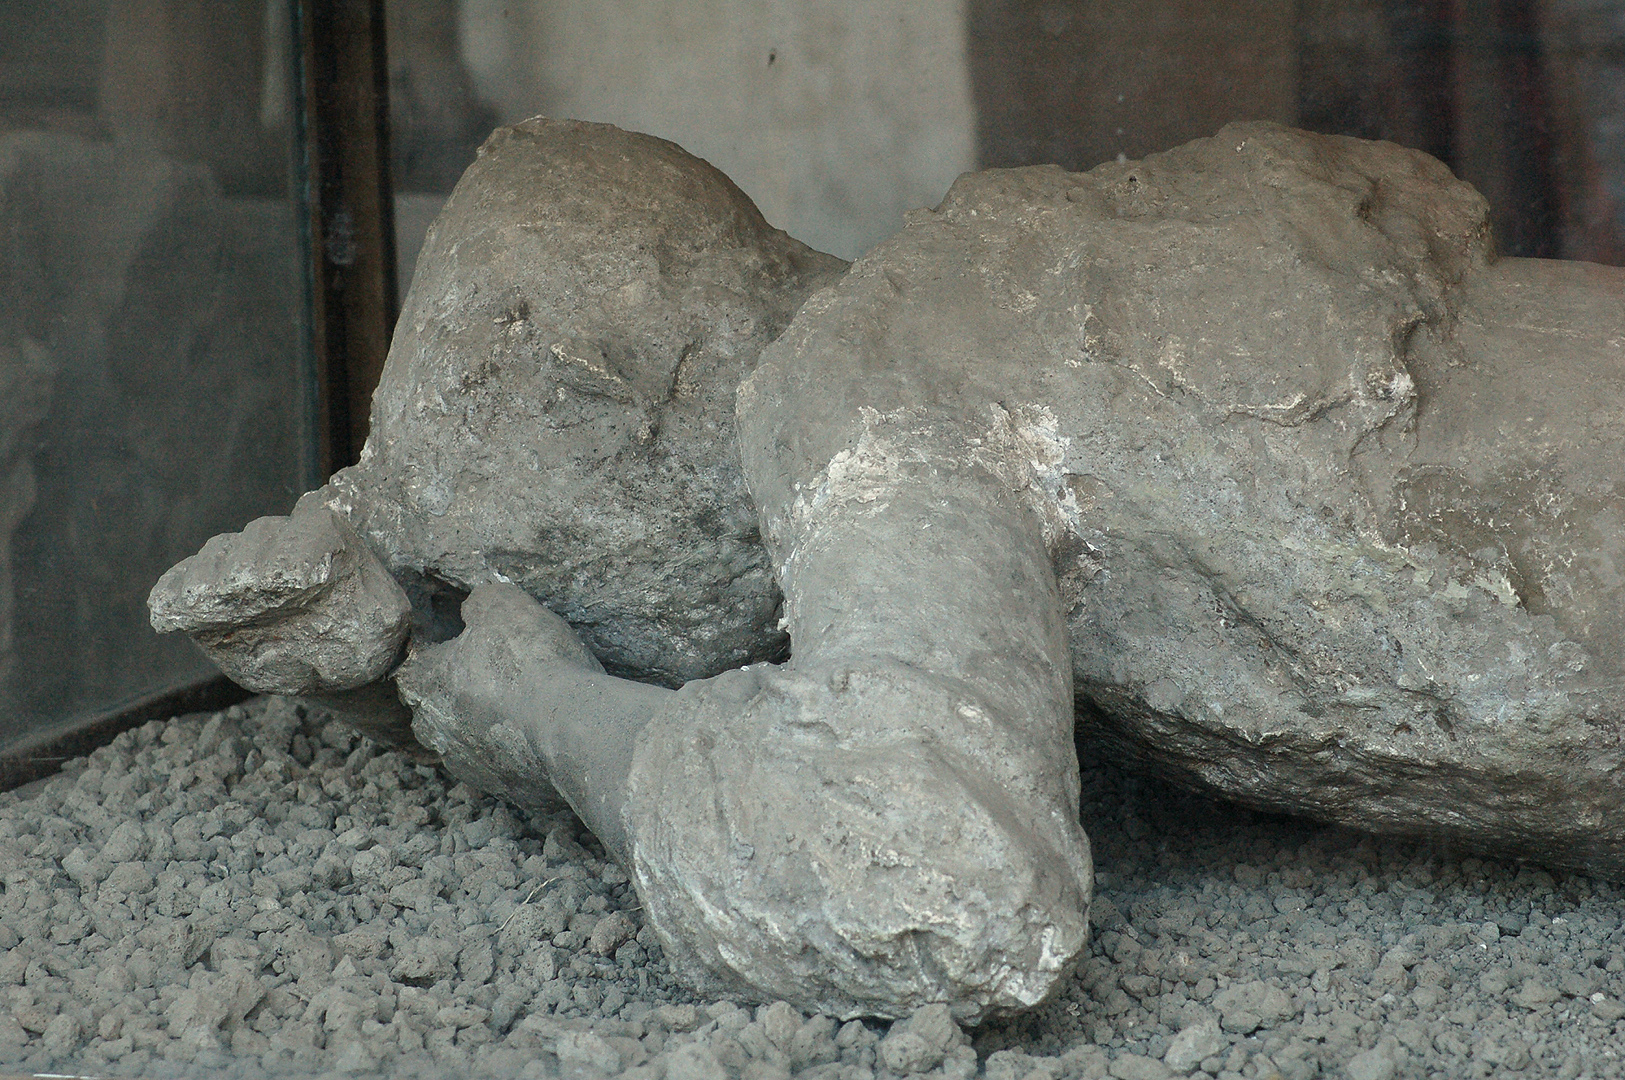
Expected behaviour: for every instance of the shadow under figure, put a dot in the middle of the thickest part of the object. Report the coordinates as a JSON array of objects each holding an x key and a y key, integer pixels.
[{"x": 1252, "y": 443}]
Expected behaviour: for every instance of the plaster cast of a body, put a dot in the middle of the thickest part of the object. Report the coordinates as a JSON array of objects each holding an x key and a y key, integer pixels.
[{"x": 1071, "y": 405}]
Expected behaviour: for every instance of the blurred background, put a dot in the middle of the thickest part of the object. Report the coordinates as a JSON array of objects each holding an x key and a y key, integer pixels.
[
  {"x": 838, "y": 115},
  {"x": 160, "y": 338}
]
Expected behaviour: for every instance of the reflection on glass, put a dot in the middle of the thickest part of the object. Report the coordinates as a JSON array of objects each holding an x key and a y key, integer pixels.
[{"x": 151, "y": 350}]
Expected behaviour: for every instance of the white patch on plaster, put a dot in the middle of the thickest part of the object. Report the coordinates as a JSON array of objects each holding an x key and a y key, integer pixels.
[
  {"x": 1023, "y": 446},
  {"x": 1029, "y": 452},
  {"x": 1496, "y": 584},
  {"x": 864, "y": 472}
]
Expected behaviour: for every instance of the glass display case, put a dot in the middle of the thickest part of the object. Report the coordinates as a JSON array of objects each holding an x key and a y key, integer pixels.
[
  {"x": 202, "y": 262},
  {"x": 210, "y": 214},
  {"x": 187, "y": 246}
]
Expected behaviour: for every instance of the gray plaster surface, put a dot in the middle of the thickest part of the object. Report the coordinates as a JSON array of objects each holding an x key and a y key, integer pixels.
[
  {"x": 557, "y": 409},
  {"x": 260, "y": 893},
  {"x": 1333, "y": 496},
  {"x": 294, "y": 603}
]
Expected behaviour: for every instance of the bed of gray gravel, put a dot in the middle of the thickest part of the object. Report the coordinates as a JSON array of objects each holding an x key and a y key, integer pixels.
[{"x": 262, "y": 892}]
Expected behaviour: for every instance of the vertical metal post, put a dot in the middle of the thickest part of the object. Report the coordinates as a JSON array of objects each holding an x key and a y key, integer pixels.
[{"x": 345, "y": 113}]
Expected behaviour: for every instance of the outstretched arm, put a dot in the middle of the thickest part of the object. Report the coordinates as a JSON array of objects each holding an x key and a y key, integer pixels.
[{"x": 518, "y": 707}]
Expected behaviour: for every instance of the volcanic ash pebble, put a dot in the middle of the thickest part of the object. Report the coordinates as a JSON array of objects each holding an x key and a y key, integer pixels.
[{"x": 262, "y": 892}]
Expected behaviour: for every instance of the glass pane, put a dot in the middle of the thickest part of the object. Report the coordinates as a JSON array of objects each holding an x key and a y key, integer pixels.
[
  {"x": 838, "y": 116},
  {"x": 436, "y": 119},
  {"x": 152, "y": 357}
]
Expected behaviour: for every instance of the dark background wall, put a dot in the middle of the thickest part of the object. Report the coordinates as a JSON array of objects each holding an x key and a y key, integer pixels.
[{"x": 1523, "y": 98}]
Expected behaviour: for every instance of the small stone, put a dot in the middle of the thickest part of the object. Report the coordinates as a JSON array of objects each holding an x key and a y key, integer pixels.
[
  {"x": 13, "y": 967},
  {"x": 127, "y": 842},
  {"x": 83, "y": 869},
  {"x": 610, "y": 933},
  {"x": 476, "y": 962},
  {"x": 1245, "y": 1007},
  {"x": 855, "y": 1033},
  {"x": 1290, "y": 903},
  {"x": 780, "y": 1022},
  {"x": 478, "y": 831},
  {"x": 1414, "y": 1036},
  {"x": 354, "y": 1058},
  {"x": 115, "y": 978},
  {"x": 1606, "y": 1009},
  {"x": 729, "y": 1017},
  {"x": 362, "y": 943},
  {"x": 814, "y": 1044},
  {"x": 1379, "y": 1063},
  {"x": 131, "y": 878},
  {"x": 1399, "y": 957},
  {"x": 1086, "y": 1061},
  {"x": 694, "y": 1061},
  {"x": 560, "y": 846},
  {"x": 961, "y": 1065},
  {"x": 1512, "y": 1054},
  {"x": 935, "y": 1024},
  {"x": 905, "y": 1053},
  {"x": 62, "y": 1035},
  {"x": 1534, "y": 993},
  {"x": 678, "y": 1017},
  {"x": 416, "y": 894},
  {"x": 424, "y": 959},
  {"x": 1390, "y": 976},
  {"x": 372, "y": 864},
  {"x": 1137, "y": 1067},
  {"x": 1007, "y": 1065},
  {"x": 461, "y": 1016},
  {"x": 1577, "y": 984},
  {"x": 1194, "y": 1044}
]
